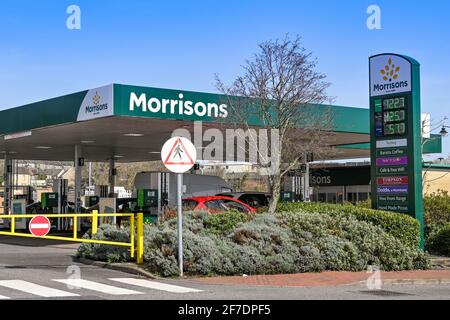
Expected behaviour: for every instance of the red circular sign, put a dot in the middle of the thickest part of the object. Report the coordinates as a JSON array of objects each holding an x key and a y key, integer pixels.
[{"x": 39, "y": 226}]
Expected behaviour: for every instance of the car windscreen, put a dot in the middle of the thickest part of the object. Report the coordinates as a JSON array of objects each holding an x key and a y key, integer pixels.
[{"x": 233, "y": 205}]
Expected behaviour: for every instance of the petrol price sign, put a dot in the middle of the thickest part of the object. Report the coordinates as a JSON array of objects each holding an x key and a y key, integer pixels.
[{"x": 396, "y": 135}]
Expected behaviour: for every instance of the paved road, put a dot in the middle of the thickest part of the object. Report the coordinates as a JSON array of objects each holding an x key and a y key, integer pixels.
[{"x": 39, "y": 270}]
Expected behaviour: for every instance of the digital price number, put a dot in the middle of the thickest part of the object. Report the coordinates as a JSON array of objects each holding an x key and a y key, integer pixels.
[
  {"x": 394, "y": 103},
  {"x": 394, "y": 129},
  {"x": 394, "y": 116}
]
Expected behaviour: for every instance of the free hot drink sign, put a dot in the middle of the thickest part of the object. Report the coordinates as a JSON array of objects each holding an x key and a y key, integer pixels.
[{"x": 395, "y": 124}]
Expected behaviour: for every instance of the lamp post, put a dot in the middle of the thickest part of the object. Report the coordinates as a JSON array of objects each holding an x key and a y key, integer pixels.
[{"x": 444, "y": 131}]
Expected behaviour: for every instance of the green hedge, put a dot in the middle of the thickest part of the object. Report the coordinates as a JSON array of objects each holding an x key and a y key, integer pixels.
[
  {"x": 400, "y": 226},
  {"x": 437, "y": 209},
  {"x": 440, "y": 242}
]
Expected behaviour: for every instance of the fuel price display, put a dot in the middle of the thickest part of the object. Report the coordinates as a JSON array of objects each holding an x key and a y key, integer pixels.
[{"x": 394, "y": 116}]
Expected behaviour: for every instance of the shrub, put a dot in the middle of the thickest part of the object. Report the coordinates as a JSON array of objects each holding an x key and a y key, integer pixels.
[
  {"x": 400, "y": 226},
  {"x": 440, "y": 242},
  {"x": 265, "y": 245},
  {"x": 106, "y": 252},
  {"x": 346, "y": 243},
  {"x": 288, "y": 242},
  {"x": 223, "y": 223},
  {"x": 437, "y": 207},
  {"x": 364, "y": 204},
  {"x": 437, "y": 212}
]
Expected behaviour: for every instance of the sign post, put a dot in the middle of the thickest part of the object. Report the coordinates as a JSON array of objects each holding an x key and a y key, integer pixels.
[
  {"x": 179, "y": 155},
  {"x": 396, "y": 136}
]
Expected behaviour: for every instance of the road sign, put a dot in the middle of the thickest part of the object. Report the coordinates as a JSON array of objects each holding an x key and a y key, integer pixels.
[
  {"x": 39, "y": 226},
  {"x": 178, "y": 155}
]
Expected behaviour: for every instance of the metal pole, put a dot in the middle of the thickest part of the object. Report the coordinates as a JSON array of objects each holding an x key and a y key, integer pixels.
[
  {"x": 7, "y": 182},
  {"x": 307, "y": 184},
  {"x": 78, "y": 154},
  {"x": 112, "y": 178},
  {"x": 59, "y": 182},
  {"x": 180, "y": 223},
  {"x": 90, "y": 177},
  {"x": 112, "y": 184},
  {"x": 159, "y": 193},
  {"x": 14, "y": 178}
]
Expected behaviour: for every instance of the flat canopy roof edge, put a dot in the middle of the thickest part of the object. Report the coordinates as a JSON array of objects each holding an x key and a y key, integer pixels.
[
  {"x": 115, "y": 100},
  {"x": 130, "y": 124}
]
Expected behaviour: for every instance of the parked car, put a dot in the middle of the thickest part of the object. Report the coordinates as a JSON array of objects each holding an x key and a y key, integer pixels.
[
  {"x": 253, "y": 199},
  {"x": 216, "y": 204}
]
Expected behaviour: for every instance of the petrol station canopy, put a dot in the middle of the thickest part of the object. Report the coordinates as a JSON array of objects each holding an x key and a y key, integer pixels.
[{"x": 131, "y": 123}]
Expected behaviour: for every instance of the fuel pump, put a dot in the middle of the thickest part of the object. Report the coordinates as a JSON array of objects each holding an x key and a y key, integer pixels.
[
  {"x": 148, "y": 202},
  {"x": 90, "y": 201},
  {"x": 49, "y": 201},
  {"x": 49, "y": 205},
  {"x": 56, "y": 202}
]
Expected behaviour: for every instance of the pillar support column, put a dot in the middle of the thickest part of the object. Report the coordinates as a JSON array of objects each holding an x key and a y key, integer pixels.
[
  {"x": 7, "y": 183},
  {"x": 78, "y": 171},
  {"x": 112, "y": 177}
]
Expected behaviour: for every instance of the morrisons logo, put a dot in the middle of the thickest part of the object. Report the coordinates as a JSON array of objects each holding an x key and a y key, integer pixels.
[
  {"x": 389, "y": 74},
  {"x": 390, "y": 86},
  {"x": 97, "y": 106},
  {"x": 178, "y": 106}
]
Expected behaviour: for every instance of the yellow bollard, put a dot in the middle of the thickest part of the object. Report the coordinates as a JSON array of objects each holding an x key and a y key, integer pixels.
[
  {"x": 140, "y": 238},
  {"x": 94, "y": 221},
  {"x": 132, "y": 231},
  {"x": 13, "y": 225},
  {"x": 75, "y": 228}
]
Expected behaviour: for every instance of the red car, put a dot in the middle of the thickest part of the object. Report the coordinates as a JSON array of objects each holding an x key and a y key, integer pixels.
[{"x": 216, "y": 204}]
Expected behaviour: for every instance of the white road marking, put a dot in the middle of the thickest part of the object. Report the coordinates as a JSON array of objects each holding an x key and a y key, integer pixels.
[
  {"x": 155, "y": 285},
  {"x": 95, "y": 286},
  {"x": 35, "y": 289}
]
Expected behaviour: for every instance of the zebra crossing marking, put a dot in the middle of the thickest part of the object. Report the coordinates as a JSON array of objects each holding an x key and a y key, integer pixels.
[
  {"x": 155, "y": 285},
  {"x": 96, "y": 286},
  {"x": 35, "y": 289}
]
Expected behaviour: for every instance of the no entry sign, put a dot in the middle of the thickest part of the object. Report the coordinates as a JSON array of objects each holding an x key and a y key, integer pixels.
[{"x": 39, "y": 226}]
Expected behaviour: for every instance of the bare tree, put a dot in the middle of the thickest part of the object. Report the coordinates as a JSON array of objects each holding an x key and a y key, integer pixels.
[{"x": 282, "y": 89}]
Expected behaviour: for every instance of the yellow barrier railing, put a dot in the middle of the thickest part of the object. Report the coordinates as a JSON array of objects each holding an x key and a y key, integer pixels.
[{"x": 136, "y": 250}]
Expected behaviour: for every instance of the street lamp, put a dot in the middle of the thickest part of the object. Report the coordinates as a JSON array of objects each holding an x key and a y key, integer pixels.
[{"x": 444, "y": 131}]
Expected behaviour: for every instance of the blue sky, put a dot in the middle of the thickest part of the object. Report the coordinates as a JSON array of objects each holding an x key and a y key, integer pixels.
[{"x": 181, "y": 44}]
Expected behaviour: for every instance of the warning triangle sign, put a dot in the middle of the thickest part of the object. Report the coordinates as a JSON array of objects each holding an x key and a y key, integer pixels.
[{"x": 179, "y": 155}]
